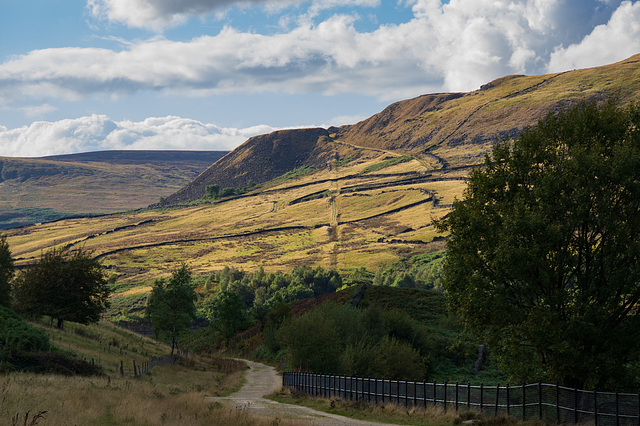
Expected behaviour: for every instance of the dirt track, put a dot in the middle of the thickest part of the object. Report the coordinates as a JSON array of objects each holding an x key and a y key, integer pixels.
[{"x": 263, "y": 380}]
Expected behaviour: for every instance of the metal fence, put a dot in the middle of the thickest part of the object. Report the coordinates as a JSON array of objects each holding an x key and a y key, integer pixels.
[{"x": 538, "y": 401}]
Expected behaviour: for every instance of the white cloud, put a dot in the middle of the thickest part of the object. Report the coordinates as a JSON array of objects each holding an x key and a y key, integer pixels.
[
  {"x": 99, "y": 132},
  {"x": 456, "y": 46},
  {"x": 156, "y": 15},
  {"x": 617, "y": 39}
]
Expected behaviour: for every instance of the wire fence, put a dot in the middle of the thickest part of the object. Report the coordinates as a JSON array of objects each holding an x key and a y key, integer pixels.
[{"x": 538, "y": 401}]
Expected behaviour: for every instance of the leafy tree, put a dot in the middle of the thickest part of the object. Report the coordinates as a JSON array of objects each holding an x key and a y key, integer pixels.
[
  {"x": 229, "y": 314},
  {"x": 170, "y": 306},
  {"x": 213, "y": 190},
  {"x": 6, "y": 272},
  {"x": 64, "y": 285},
  {"x": 542, "y": 263}
]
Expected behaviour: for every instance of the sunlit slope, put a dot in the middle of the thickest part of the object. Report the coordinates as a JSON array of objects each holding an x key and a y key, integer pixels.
[
  {"x": 347, "y": 216},
  {"x": 460, "y": 128},
  {"x": 444, "y": 130},
  {"x": 38, "y": 189}
]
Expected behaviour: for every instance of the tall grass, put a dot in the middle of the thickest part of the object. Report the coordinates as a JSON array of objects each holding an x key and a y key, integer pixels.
[{"x": 172, "y": 394}]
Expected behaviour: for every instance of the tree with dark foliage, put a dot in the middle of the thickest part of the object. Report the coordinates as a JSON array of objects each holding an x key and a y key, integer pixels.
[
  {"x": 64, "y": 285},
  {"x": 543, "y": 263},
  {"x": 6, "y": 272},
  {"x": 171, "y": 306}
]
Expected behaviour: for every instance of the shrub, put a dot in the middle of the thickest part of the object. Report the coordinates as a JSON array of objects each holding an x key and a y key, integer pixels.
[{"x": 17, "y": 336}]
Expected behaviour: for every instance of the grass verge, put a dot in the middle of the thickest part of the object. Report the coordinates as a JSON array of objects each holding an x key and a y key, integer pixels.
[{"x": 391, "y": 413}]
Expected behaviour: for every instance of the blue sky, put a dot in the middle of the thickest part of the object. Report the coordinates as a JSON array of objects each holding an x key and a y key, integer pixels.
[{"x": 86, "y": 75}]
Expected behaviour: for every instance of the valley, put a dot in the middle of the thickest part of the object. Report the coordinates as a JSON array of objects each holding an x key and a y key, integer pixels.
[
  {"x": 343, "y": 216},
  {"x": 36, "y": 190}
]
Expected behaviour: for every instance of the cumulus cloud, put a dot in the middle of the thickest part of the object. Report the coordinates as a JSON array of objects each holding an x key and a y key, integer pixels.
[
  {"x": 455, "y": 46},
  {"x": 157, "y": 15},
  {"x": 99, "y": 132},
  {"x": 619, "y": 38}
]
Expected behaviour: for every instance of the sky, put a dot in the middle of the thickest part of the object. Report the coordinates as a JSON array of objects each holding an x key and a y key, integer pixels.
[{"x": 90, "y": 75}]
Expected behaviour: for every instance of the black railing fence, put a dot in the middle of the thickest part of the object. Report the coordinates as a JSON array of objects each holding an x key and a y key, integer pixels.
[{"x": 538, "y": 401}]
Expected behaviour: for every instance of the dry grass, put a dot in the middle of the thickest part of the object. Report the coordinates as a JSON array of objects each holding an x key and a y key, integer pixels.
[
  {"x": 143, "y": 246},
  {"x": 171, "y": 394},
  {"x": 393, "y": 413}
]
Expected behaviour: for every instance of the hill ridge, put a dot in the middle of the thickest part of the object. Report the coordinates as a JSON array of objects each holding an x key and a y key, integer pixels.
[{"x": 451, "y": 129}]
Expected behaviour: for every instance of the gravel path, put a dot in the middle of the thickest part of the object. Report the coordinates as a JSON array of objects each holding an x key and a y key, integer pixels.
[{"x": 263, "y": 380}]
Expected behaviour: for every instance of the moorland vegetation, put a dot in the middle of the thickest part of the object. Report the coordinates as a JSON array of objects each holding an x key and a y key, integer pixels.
[{"x": 332, "y": 262}]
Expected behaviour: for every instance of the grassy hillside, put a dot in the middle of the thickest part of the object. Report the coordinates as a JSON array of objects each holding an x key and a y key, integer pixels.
[
  {"x": 341, "y": 198},
  {"x": 340, "y": 218},
  {"x": 169, "y": 394},
  {"x": 442, "y": 130},
  {"x": 40, "y": 189}
]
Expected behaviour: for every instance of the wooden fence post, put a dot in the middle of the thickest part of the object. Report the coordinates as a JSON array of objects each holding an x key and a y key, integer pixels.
[
  {"x": 617, "y": 408},
  {"x": 497, "y": 398},
  {"x": 524, "y": 404},
  {"x": 595, "y": 407},
  {"x": 424, "y": 395},
  {"x": 575, "y": 405},
  {"x": 540, "y": 400},
  {"x": 135, "y": 371},
  {"x": 508, "y": 402},
  {"x": 444, "y": 399},
  {"x": 557, "y": 403}
]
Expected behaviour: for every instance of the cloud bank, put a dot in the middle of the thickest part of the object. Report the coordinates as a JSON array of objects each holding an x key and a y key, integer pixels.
[
  {"x": 443, "y": 47},
  {"x": 99, "y": 132},
  {"x": 446, "y": 47}
]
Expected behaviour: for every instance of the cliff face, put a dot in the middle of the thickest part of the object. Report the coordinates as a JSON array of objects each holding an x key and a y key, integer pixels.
[
  {"x": 455, "y": 129},
  {"x": 259, "y": 160}
]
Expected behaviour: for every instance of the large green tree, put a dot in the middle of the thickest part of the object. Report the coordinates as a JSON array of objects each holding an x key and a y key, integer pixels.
[
  {"x": 6, "y": 272},
  {"x": 64, "y": 285},
  {"x": 170, "y": 306},
  {"x": 543, "y": 262}
]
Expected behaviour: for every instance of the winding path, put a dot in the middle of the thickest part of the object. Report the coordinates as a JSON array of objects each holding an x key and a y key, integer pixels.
[{"x": 263, "y": 380}]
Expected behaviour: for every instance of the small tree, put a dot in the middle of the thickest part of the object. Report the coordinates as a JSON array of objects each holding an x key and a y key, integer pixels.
[
  {"x": 170, "y": 306},
  {"x": 213, "y": 191},
  {"x": 64, "y": 285},
  {"x": 229, "y": 314},
  {"x": 6, "y": 272}
]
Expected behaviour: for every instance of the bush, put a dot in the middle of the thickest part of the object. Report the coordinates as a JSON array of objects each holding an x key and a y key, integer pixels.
[{"x": 17, "y": 336}]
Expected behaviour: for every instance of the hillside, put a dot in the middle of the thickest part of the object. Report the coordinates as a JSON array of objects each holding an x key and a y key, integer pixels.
[
  {"x": 445, "y": 130},
  {"x": 39, "y": 189},
  {"x": 355, "y": 206}
]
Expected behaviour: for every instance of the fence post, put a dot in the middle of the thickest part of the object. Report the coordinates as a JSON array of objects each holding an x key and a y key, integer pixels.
[
  {"x": 415, "y": 393},
  {"x": 508, "y": 402},
  {"x": 424, "y": 396},
  {"x": 481, "y": 397},
  {"x": 595, "y": 407},
  {"x": 375, "y": 390},
  {"x": 557, "y": 403},
  {"x": 445, "y": 396},
  {"x": 575, "y": 405},
  {"x": 435, "y": 393},
  {"x": 135, "y": 372},
  {"x": 456, "y": 396},
  {"x": 540, "y": 400},
  {"x": 121, "y": 369},
  {"x": 468, "y": 395},
  {"x": 524, "y": 404},
  {"x": 617, "y": 408},
  {"x": 497, "y": 398}
]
